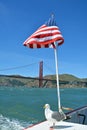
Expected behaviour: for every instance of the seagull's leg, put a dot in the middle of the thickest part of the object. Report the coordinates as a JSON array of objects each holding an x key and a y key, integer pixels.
[{"x": 53, "y": 125}]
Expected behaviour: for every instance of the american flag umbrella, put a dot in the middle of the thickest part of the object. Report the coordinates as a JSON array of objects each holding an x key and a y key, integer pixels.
[{"x": 48, "y": 35}]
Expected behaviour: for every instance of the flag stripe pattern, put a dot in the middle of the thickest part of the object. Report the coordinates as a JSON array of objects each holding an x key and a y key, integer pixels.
[{"x": 45, "y": 37}]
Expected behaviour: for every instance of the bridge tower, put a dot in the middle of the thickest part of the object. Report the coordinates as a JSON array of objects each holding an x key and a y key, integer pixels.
[{"x": 40, "y": 74}]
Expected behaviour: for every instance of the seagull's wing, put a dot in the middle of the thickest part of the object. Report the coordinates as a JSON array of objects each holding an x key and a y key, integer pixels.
[{"x": 58, "y": 116}]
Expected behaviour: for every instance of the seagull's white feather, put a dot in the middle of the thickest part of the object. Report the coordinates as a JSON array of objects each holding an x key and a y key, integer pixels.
[{"x": 53, "y": 116}]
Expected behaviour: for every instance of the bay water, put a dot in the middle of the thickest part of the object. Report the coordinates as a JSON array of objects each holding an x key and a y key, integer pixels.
[{"x": 23, "y": 106}]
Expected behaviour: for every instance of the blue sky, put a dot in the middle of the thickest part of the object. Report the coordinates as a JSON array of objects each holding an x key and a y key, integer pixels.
[{"x": 20, "y": 18}]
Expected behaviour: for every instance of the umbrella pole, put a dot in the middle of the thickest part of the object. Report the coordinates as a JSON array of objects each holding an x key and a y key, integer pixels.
[{"x": 57, "y": 77}]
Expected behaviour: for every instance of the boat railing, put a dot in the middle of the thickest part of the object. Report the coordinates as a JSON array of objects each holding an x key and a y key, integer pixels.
[{"x": 78, "y": 116}]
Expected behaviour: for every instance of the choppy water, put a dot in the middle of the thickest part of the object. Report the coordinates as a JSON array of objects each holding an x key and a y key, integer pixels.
[{"x": 21, "y": 107}]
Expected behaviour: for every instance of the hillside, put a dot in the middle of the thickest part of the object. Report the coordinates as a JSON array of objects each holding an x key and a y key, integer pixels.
[
  {"x": 64, "y": 77},
  {"x": 66, "y": 80}
]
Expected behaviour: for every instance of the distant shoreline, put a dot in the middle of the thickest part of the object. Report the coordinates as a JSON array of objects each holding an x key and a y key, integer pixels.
[{"x": 49, "y": 81}]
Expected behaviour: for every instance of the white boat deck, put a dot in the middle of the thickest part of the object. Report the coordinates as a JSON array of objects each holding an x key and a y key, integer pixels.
[{"x": 58, "y": 126}]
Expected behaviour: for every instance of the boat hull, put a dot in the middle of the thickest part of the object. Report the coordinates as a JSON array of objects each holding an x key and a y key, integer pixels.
[{"x": 77, "y": 121}]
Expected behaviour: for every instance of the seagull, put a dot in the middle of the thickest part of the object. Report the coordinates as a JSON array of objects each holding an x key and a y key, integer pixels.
[{"x": 53, "y": 116}]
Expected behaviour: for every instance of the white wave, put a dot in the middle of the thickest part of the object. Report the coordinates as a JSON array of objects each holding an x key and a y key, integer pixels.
[{"x": 11, "y": 124}]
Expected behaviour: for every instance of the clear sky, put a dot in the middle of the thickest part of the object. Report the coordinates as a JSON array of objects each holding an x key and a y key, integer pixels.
[{"x": 20, "y": 18}]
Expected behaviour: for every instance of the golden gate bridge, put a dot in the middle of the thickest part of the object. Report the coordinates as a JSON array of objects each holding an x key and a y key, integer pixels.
[{"x": 42, "y": 81}]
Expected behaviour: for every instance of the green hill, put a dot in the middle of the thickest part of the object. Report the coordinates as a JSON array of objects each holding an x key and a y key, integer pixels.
[
  {"x": 64, "y": 77},
  {"x": 17, "y": 80}
]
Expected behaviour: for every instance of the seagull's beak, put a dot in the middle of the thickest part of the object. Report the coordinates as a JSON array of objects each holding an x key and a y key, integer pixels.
[{"x": 44, "y": 106}]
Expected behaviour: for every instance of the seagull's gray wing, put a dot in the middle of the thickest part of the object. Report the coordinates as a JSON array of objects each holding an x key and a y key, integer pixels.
[{"x": 58, "y": 116}]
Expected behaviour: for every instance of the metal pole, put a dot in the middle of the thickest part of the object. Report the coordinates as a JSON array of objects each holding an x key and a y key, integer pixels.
[{"x": 57, "y": 77}]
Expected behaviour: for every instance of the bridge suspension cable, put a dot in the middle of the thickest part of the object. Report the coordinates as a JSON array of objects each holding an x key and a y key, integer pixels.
[
  {"x": 18, "y": 67},
  {"x": 48, "y": 68}
]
